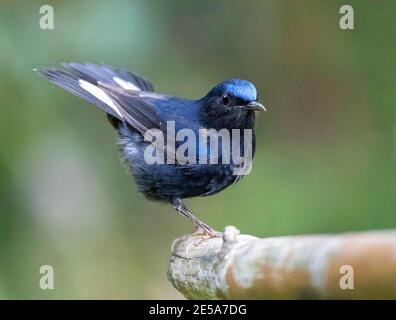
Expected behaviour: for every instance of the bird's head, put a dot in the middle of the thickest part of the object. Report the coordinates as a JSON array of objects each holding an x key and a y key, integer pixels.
[{"x": 232, "y": 99}]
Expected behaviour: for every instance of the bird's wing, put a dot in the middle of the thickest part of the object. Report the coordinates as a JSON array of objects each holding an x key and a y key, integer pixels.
[
  {"x": 126, "y": 105},
  {"x": 116, "y": 77},
  {"x": 135, "y": 107}
]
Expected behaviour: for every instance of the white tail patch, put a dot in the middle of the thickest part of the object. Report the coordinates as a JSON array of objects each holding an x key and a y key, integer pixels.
[
  {"x": 100, "y": 94},
  {"x": 126, "y": 84}
]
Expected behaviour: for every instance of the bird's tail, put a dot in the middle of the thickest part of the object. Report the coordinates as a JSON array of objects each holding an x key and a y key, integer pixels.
[{"x": 88, "y": 82}]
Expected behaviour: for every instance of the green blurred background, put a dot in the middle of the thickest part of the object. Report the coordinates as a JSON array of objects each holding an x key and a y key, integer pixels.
[{"x": 325, "y": 161}]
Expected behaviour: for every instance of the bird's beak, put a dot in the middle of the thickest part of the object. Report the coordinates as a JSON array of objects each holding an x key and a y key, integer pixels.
[{"x": 254, "y": 106}]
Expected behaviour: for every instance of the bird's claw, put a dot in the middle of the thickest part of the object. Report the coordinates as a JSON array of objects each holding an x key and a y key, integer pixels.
[{"x": 206, "y": 231}]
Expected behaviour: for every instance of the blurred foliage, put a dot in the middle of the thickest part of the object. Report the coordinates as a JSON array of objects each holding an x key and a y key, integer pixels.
[{"x": 325, "y": 160}]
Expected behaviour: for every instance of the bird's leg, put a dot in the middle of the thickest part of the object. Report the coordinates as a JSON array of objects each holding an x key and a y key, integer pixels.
[{"x": 200, "y": 226}]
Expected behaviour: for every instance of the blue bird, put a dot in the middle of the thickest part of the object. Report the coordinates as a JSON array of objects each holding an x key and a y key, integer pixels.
[{"x": 135, "y": 110}]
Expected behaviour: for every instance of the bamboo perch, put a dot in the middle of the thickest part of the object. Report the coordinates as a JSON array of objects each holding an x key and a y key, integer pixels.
[{"x": 346, "y": 266}]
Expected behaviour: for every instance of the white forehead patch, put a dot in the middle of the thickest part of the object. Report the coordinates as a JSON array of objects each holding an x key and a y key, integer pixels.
[
  {"x": 125, "y": 84},
  {"x": 99, "y": 94}
]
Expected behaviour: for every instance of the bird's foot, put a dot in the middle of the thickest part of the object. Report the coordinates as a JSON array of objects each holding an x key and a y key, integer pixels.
[{"x": 201, "y": 228}]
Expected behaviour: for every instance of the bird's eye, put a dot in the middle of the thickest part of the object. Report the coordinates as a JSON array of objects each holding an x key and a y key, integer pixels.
[{"x": 225, "y": 99}]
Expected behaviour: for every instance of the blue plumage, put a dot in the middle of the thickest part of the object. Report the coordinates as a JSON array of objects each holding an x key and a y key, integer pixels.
[
  {"x": 135, "y": 110},
  {"x": 242, "y": 89}
]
